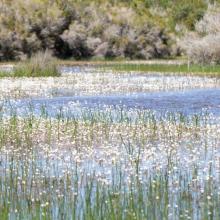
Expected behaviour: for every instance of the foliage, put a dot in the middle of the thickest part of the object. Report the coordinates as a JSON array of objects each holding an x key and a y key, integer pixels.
[
  {"x": 28, "y": 26},
  {"x": 41, "y": 64},
  {"x": 203, "y": 47}
]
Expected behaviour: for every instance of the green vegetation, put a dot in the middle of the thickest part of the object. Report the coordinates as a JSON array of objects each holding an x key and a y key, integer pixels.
[
  {"x": 183, "y": 12},
  {"x": 4, "y": 74},
  {"x": 209, "y": 70},
  {"x": 42, "y": 64},
  {"x": 135, "y": 29},
  {"x": 108, "y": 165},
  {"x": 107, "y": 161}
]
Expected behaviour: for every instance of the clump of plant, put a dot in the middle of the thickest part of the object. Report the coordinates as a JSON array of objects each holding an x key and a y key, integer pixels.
[
  {"x": 40, "y": 64},
  {"x": 181, "y": 12}
]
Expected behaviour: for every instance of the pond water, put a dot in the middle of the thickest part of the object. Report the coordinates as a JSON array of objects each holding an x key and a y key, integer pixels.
[
  {"x": 185, "y": 153},
  {"x": 187, "y": 102}
]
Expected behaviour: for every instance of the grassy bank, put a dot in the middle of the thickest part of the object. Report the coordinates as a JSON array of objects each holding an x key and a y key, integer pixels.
[
  {"x": 42, "y": 64},
  {"x": 40, "y": 67},
  {"x": 209, "y": 70}
]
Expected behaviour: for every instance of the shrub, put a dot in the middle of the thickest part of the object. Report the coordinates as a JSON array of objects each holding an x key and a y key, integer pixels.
[
  {"x": 189, "y": 13},
  {"x": 40, "y": 64},
  {"x": 204, "y": 46},
  {"x": 83, "y": 29},
  {"x": 210, "y": 24}
]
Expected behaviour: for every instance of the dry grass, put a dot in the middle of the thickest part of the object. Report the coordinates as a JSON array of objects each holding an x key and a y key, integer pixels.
[{"x": 41, "y": 64}]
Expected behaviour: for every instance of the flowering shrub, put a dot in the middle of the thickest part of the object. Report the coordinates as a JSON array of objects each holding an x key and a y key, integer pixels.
[{"x": 204, "y": 46}]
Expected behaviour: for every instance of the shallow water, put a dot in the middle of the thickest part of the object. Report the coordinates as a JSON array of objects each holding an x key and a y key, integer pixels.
[
  {"x": 104, "y": 148},
  {"x": 85, "y": 81},
  {"x": 186, "y": 102}
]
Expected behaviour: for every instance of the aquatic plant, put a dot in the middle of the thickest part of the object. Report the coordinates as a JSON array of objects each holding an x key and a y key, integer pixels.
[
  {"x": 106, "y": 167},
  {"x": 42, "y": 64},
  {"x": 77, "y": 81},
  {"x": 78, "y": 161}
]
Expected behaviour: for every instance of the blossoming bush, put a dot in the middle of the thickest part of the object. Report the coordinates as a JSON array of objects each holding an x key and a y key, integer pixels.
[{"x": 204, "y": 46}]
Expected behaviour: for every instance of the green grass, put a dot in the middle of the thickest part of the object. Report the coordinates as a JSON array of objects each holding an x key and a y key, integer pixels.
[
  {"x": 45, "y": 68},
  {"x": 212, "y": 70},
  {"x": 26, "y": 70},
  {"x": 4, "y": 74},
  {"x": 42, "y": 64}
]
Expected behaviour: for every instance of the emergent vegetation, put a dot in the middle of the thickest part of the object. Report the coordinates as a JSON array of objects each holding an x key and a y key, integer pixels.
[
  {"x": 108, "y": 165},
  {"x": 41, "y": 64}
]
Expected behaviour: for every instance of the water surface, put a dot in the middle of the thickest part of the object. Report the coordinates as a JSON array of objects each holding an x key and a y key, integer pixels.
[{"x": 186, "y": 102}]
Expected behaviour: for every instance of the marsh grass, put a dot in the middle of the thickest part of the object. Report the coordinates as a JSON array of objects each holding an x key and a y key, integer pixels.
[
  {"x": 207, "y": 70},
  {"x": 41, "y": 64},
  {"x": 4, "y": 74},
  {"x": 99, "y": 166}
]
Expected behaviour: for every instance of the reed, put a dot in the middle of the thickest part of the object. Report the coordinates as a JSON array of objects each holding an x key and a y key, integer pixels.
[
  {"x": 42, "y": 64},
  {"x": 106, "y": 165}
]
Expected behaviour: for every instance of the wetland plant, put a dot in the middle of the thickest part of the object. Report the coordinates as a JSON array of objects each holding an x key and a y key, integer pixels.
[
  {"x": 42, "y": 64},
  {"x": 100, "y": 166}
]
